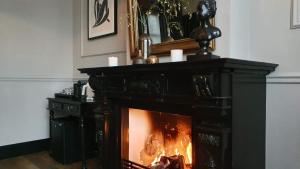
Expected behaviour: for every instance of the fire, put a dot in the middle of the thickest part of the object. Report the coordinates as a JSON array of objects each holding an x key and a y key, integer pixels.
[
  {"x": 185, "y": 152},
  {"x": 159, "y": 140},
  {"x": 189, "y": 153},
  {"x": 176, "y": 151},
  {"x": 157, "y": 159}
]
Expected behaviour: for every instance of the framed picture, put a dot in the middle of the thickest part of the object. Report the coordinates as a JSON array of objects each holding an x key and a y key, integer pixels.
[
  {"x": 102, "y": 18},
  {"x": 295, "y": 14}
]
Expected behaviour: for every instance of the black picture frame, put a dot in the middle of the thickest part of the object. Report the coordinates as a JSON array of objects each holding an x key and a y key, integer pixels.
[{"x": 102, "y": 26}]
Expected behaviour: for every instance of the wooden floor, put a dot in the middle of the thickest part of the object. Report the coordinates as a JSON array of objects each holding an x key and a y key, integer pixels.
[{"x": 40, "y": 160}]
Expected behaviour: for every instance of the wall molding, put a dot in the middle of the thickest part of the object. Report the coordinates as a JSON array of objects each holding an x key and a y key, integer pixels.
[
  {"x": 36, "y": 79},
  {"x": 104, "y": 54},
  {"x": 283, "y": 79}
]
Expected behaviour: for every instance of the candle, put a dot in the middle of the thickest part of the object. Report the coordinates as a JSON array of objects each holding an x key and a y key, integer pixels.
[
  {"x": 112, "y": 61},
  {"x": 176, "y": 55}
]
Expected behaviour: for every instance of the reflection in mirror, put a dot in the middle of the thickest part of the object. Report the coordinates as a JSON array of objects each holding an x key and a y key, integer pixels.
[
  {"x": 168, "y": 23},
  {"x": 166, "y": 20}
]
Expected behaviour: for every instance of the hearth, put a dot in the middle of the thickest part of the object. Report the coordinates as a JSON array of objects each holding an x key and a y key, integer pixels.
[
  {"x": 157, "y": 139},
  {"x": 154, "y": 139},
  {"x": 186, "y": 115}
]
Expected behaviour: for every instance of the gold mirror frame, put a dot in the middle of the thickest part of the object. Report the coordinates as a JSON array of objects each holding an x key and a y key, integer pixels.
[{"x": 188, "y": 45}]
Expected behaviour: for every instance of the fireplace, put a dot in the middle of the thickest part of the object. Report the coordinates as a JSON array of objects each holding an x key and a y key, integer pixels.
[{"x": 185, "y": 115}]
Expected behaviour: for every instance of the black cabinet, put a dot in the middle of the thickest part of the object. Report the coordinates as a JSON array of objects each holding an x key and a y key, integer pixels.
[
  {"x": 65, "y": 142},
  {"x": 72, "y": 130}
]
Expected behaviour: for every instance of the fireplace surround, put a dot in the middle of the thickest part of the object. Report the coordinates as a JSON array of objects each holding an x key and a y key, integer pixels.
[{"x": 223, "y": 101}]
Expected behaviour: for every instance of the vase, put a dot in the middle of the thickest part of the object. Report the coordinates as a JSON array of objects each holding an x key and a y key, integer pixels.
[{"x": 145, "y": 42}]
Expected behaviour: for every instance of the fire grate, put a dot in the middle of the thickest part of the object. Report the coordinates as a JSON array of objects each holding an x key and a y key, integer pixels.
[{"x": 126, "y": 164}]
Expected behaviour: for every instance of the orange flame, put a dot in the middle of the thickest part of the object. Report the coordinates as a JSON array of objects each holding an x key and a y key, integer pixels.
[
  {"x": 177, "y": 152},
  {"x": 148, "y": 144},
  {"x": 157, "y": 159},
  {"x": 189, "y": 153}
]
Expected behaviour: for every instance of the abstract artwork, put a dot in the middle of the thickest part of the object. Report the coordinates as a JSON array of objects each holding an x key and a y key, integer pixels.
[{"x": 102, "y": 16}]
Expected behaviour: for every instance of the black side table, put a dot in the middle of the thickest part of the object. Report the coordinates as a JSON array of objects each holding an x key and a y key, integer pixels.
[{"x": 84, "y": 112}]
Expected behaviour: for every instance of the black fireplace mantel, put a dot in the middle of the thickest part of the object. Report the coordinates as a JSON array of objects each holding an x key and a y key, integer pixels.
[
  {"x": 226, "y": 99},
  {"x": 222, "y": 63}
]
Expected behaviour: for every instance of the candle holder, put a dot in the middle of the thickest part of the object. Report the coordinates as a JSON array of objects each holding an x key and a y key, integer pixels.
[{"x": 206, "y": 32}]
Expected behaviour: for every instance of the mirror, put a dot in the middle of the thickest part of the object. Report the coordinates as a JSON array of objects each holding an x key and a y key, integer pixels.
[{"x": 168, "y": 23}]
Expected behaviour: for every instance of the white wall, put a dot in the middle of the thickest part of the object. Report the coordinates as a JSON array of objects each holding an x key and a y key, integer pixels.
[
  {"x": 94, "y": 53},
  {"x": 273, "y": 41},
  {"x": 260, "y": 30},
  {"x": 36, "y": 60},
  {"x": 271, "y": 36},
  {"x": 283, "y": 114},
  {"x": 222, "y": 21}
]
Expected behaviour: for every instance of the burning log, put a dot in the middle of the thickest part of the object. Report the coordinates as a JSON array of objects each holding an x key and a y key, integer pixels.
[
  {"x": 177, "y": 162},
  {"x": 173, "y": 162},
  {"x": 163, "y": 163}
]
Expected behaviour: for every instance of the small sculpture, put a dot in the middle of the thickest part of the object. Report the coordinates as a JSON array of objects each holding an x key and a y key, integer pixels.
[
  {"x": 206, "y": 31},
  {"x": 152, "y": 59}
]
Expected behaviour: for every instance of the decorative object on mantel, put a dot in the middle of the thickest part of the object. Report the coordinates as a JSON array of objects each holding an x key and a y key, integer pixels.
[
  {"x": 102, "y": 18},
  {"x": 145, "y": 40},
  {"x": 176, "y": 55},
  {"x": 145, "y": 45},
  {"x": 139, "y": 60},
  {"x": 87, "y": 93},
  {"x": 112, "y": 61},
  {"x": 152, "y": 59},
  {"x": 206, "y": 32},
  {"x": 295, "y": 14}
]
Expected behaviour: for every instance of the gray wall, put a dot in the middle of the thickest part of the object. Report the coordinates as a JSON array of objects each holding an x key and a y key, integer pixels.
[
  {"x": 260, "y": 30},
  {"x": 36, "y": 60},
  {"x": 270, "y": 39},
  {"x": 94, "y": 53}
]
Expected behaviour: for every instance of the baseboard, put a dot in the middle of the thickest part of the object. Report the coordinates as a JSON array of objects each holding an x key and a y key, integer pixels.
[{"x": 19, "y": 149}]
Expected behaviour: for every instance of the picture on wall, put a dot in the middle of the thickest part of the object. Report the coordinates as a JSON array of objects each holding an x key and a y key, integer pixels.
[
  {"x": 295, "y": 14},
  {"x": 102, "y": 18}
]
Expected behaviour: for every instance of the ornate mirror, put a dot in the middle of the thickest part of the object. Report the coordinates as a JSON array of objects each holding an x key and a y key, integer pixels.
[{"x": 168, "y": 23}]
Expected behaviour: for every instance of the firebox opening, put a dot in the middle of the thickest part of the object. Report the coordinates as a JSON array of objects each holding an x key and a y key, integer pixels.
[{"x": 159, "y": 139}]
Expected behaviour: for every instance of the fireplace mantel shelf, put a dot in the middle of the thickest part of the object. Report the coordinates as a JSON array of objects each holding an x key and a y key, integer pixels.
[
  {"x": 225, "y": 98},
  {"x": 225, "y": 63}
]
